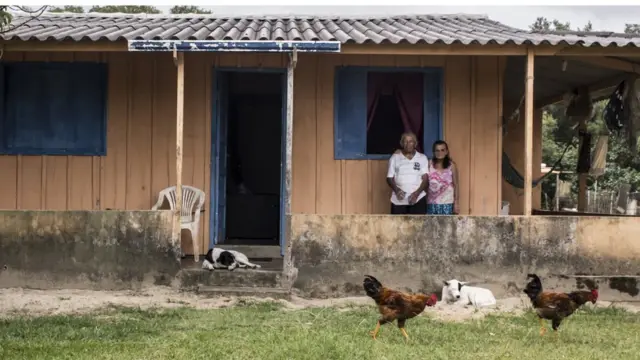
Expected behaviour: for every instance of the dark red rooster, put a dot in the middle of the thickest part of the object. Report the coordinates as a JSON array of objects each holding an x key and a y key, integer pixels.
[
  {"x": 555, "y": 306},
  {"x": 394, "y": 304}
]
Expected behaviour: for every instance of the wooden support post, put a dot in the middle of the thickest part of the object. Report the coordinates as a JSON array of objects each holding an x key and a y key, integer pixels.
[
  {"x": 288, "y": 268},
  {"x": 582, "y": 178},
  {"x": 289, "y": 130},
  {"x": 178, "y": 59},
  {"x": 557, "y": 207},
  {"x": 528, "y": 134}
]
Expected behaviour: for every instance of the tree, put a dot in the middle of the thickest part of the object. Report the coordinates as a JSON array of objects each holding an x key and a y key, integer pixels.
[
  {"x": 632, "y": 29},
  {"x": 188, "y": 9},
  {"x": 543, "y": 24},
  {"x": 126, "y": 9},
  {"x": 6, "y": 17},
  {"x": 67, "y": 8}
]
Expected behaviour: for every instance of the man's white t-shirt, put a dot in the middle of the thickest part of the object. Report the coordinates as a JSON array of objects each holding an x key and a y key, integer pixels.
[{"x": 407, "y": 174}]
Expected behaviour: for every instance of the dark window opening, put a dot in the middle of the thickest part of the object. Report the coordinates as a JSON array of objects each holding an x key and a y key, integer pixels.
[{"x": 394, "y": 106}]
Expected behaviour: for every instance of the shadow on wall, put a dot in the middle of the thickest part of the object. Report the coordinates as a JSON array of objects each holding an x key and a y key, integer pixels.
[
  {"x": 102, "y": 250},
  {"x": 415, "y": 253}
]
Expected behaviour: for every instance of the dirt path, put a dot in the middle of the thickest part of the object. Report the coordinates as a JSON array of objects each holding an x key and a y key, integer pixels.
[{"x": 16, "y": 302}]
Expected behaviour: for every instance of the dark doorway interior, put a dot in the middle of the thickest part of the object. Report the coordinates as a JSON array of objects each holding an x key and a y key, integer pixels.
[{"x": 254, "y": 146}]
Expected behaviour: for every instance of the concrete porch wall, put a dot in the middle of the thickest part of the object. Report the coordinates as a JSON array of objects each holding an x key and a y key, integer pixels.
[
  {"x": 102, "y": 250},
  {"x": 416, "y": 253}
]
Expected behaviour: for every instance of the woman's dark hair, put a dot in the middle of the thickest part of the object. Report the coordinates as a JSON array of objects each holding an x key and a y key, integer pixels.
[{"x": 446, "y": 162}]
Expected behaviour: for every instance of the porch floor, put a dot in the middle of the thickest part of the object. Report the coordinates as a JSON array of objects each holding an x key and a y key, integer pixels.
[{"x": 187, "y": 263}]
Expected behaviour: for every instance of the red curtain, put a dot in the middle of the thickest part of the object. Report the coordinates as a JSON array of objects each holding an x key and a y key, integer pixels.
[{"x": 406, "y": 88}]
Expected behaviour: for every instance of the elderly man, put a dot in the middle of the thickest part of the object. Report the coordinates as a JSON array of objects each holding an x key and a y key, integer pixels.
[{"x": 408, "y": 177}]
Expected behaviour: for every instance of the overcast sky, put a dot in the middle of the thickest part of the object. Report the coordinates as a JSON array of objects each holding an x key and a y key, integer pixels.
[{"x": 610, "y": 18}]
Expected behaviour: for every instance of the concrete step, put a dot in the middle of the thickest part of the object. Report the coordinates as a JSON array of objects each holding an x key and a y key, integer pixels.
[
  {"x": 275, "y": 293},
  {"x": 192, "y": 278},
  {"x": 270, "y": 264},
  {"x": 255, "y": 251}
]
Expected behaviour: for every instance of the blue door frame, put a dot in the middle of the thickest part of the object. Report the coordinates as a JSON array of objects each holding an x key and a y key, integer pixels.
[{"x": 219, "y": 113}]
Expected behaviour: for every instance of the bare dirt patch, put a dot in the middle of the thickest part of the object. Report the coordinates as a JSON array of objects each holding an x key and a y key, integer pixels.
[{"x": 18, "y": 301}]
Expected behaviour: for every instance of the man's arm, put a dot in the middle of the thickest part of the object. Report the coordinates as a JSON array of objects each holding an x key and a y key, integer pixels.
[
  {"x": 391, "y": 174},
  {"x": 423, "y": 184}
]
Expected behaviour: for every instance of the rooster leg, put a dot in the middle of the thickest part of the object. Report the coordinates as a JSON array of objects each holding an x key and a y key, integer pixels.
[
  {"x": 374, "y": 333},
  {"x": 401, "y": 327},
  {"x": 543, "y": 330},
  {"x": 404, "y": 332},
  {"x": 555, "y": 324}
]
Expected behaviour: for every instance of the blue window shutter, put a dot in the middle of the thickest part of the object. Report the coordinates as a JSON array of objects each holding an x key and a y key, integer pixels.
[
  {"x": 89, "y": 84},
  {"x": 350, "y": 118},
  {"x": 25, "y": 120},
  {"x": 432, "y": 129},
  {"x": 54, "y": 108}
]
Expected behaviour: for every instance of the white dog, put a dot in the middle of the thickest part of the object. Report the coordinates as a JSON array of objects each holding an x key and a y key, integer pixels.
[
  {"x": 459, "y": 293},
  {"x": 218, "y": 258}
]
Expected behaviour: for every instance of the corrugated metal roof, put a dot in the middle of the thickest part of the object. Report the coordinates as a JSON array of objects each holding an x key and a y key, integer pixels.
[{"x": 429, "y": 29}]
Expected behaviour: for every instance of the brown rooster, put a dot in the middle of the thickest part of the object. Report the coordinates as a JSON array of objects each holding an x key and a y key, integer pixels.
[
  {"x": 394, "y": 305},
  {"x": 555, "y": 306}
]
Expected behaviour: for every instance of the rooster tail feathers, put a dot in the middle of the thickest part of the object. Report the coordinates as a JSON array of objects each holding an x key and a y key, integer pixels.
[
  {"x": 534, "y": 287},
  {"x": 534, "y": 277},
  {"x": 372, "y": 279},
  {"x": 372, "y": 287}
]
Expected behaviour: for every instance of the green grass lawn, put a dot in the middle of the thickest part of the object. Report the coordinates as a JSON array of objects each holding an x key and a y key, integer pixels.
[{"x": 266, "y": 331}]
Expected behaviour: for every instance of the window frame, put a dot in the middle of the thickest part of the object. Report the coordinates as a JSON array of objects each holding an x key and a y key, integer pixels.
[
  {"x": 433, "y": 108},
  {"x": 97, "y": 149}
]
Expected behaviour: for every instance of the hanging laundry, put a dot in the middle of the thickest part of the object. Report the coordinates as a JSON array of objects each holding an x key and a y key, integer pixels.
[{"x": 599, "y": 156}]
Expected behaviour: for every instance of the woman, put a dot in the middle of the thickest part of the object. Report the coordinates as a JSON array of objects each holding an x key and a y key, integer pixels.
[{"x": 442, "y": 198}]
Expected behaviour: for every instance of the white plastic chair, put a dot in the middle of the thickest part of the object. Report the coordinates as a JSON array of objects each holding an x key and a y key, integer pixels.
[{"x": 192, "y": 201}]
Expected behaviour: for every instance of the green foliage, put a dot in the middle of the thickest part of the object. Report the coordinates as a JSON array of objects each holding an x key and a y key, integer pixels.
[
  {"x": 543, "y": 24},
  {"x": 68, "y": 9},
  {"x": 188, "y": 9},
  {"x": 5, "y": 17},
  {"x": 623, "y": 164},
  {"x": 632, "y": 29},
  {"x": 126, "y": 9},
  {"x": 558, "y": 130}
]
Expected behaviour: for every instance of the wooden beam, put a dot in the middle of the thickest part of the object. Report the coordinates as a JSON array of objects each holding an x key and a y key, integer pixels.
[
  {"x": 528, "y": 135},
  {"x": 629, "y": 51},
  {"x": 355, "y": 49},
  {"x": 439, "y": 49},
  {"x": 607, "y": 62},
  {"x": 63, "y": 46},
  {"x": 598, "y": 86},
  {"x": 178, "y": 58},
  {"x": 486, "y": 50}
]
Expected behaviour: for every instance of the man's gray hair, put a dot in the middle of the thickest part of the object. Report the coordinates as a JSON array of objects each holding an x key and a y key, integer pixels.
[{"x": 405, "y": 135}]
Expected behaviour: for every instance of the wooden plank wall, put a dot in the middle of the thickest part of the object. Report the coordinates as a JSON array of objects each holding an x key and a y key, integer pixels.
[
  {"x": 473, "y": 106},
  {"x": 140, "y": 157},
  {"x": 141, "y": 136}
]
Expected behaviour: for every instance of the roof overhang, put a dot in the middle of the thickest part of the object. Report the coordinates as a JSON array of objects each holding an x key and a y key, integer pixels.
[{"x": 234, "y": 46}]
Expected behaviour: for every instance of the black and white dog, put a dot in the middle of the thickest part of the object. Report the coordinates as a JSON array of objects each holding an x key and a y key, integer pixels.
[{"x": 218, "y": 258}]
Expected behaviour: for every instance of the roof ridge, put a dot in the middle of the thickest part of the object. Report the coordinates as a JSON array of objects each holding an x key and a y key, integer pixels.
[
  {"x": 597, "y": 33},
  {"x": 256, "y": 16}
]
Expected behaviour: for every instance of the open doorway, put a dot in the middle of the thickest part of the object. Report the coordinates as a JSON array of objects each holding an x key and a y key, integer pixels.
[{"x": 250, "y": 156}]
